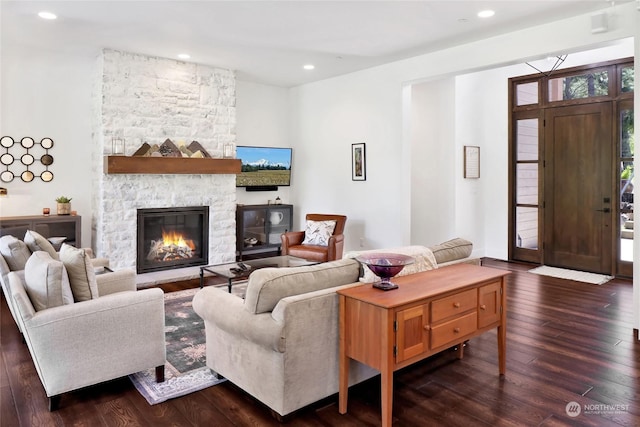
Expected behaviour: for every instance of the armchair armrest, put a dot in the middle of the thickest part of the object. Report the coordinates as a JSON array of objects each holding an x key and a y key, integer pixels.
[
  {"x": 292, "y": 238},
  {"x": 335, "y": 246},
  {"x": 117, "y": 281},
  {"x": 227, "y": 312}
]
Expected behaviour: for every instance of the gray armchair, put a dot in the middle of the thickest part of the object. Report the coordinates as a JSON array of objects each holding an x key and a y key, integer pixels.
[{"x": 84, "y": 343}]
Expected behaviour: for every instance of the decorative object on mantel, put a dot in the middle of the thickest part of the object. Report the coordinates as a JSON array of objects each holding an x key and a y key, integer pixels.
[
  {"x": 64, "y": 205},
  {"x": 169, "y": 149},
  {"x": 117, "y": 146},
  {"x": 195, "y": 147},
  {"x": 13, "y": 150}
]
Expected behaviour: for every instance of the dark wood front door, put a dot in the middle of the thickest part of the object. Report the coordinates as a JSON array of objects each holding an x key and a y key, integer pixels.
[{"x": 578, "y": 200}]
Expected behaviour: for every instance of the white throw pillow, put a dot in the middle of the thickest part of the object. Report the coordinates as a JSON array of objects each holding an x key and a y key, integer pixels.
[
  {"x": 318, "y": 232},
  {"x": 15, "y": 252},
  {"x": 37, "y": 242},
  {"x": 46, "y": 282},
  {"x": 81, "y": 273}
]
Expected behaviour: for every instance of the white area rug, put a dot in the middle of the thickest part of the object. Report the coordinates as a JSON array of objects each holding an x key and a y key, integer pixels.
[{"x": 578, "y": 276}]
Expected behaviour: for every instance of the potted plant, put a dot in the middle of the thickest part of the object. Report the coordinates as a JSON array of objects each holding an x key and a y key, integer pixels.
[{"x": 64, "y": 205}]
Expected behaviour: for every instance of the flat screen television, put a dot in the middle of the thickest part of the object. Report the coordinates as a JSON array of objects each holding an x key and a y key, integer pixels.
[{"x": 264, "y": 168}]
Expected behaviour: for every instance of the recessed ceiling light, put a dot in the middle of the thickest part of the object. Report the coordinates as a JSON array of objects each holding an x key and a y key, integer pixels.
[
  {"x": 184, "y": 56},
  {"x": 309, "y": 67},
  {"x": 47, "y": 15},
  {"x": 486, "y": 13}
]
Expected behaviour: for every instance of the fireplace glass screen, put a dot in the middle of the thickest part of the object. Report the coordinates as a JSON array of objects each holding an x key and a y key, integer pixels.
[{"x": 172, "y": 238}]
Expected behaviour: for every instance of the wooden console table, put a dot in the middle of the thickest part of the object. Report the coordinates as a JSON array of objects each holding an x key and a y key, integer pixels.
[{"x": 429, "y": 312}]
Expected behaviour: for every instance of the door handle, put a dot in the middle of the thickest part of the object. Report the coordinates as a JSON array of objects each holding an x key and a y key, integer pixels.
[{"x": 606, "y": 210}]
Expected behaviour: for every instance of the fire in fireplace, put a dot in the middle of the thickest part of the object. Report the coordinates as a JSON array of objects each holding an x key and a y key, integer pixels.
[{"x": 172, "y": 238}]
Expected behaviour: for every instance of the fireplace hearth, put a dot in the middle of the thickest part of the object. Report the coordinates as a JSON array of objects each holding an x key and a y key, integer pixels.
[{"x": 169, "y": 238}]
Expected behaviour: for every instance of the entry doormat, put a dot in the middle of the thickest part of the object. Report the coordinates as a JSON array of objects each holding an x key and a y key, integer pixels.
[
  {"x": 578, "y": 276},
  {"x": 185, "y": 369}
]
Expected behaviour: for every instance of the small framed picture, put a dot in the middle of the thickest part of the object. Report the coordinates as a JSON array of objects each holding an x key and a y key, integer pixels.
[
  {"x": 358, "y": 162},
  {"x": 471, "y": 161}
]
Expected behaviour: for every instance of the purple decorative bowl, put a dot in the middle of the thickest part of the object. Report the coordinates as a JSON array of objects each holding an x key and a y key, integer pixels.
[{"x": 385, "y": 266}]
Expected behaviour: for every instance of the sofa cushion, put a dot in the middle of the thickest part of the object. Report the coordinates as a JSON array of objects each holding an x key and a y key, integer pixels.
[
  {"x": 318, "y": 232},
  {"x": 15, "y": 252},
  {"x": 424, "y": 260},
  {"x": 81, "y": 273},
  {"x": 267, "y": 286},
  {"x": 452, "y": 250},
  {"x": 37, "y": 242},
  {"x": 46, "y": 282}
]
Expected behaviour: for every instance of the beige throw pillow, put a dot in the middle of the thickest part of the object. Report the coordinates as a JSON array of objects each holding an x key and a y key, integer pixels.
[
  {"x": 81, "y": 273},
  {"x": 318, "y": 232},
  {"x": 46, "y": 282},
  {"x": 15, "y": 252},
  {"x": 37, "y": 242},
  {"x": 452, "y": 250}
]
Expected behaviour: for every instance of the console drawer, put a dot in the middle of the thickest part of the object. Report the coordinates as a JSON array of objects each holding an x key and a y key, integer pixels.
[
  {"x": 454, "y": 305},
  {"x": 453, "y": 330}
]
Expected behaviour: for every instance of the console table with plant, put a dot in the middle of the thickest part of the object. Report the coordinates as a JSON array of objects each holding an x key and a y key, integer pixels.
[{"x": 67, "y": 226}]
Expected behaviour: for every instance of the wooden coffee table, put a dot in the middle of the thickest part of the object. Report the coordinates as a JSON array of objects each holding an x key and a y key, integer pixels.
[
  {"x": 225, "y": 270},
  {"x": 428, "y": 313}
]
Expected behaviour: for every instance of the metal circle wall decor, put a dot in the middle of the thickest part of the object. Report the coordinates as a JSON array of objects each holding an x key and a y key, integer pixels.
[
  {"x": 27, "y": 142},
  {"x": 6, "y": 141},
  {"x": 6, "y": 176},
  {"x": 29, "y": 152},
  {"x": 46, "y": 176}
]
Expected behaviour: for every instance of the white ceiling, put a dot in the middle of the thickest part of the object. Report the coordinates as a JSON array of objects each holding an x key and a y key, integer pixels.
[{"x": 270, "y": 41}]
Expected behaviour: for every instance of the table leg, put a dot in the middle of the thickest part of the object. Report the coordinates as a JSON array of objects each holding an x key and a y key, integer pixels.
[
  {"x": 229, "y": 285},
  {"x": 502, "y": 349},
  {"x": 386, "y": 378},
  {"x": 201, "y": 278}
]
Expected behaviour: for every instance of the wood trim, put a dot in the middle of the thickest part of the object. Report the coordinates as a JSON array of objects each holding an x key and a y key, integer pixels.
[{"x": 169, "y": 165}]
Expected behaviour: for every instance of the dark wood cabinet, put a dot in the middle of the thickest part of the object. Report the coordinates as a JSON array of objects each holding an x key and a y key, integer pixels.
[
  {"x": 69, "y": 226},
  {"x": 259, "y": 227}
]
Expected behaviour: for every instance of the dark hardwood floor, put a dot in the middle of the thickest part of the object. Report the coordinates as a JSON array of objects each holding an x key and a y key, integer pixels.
[{"x": 566, "y": 342}]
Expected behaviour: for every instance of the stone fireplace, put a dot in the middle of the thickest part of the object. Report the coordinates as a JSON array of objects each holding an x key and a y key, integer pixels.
[
  {"x": 169, "y": 238},
  {"x": 147, "y": 99}
]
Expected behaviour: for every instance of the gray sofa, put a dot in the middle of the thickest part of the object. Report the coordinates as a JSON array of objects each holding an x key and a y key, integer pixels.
[{"x": 280, "y": 344}]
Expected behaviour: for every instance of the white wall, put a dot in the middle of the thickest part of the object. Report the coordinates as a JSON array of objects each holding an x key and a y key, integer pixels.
[
  {"x": 263, "y": 120},
  {"x": 432, "y": 133},
  {"x": 366, "y": 106},
  {"x": 46, "y": 94}
]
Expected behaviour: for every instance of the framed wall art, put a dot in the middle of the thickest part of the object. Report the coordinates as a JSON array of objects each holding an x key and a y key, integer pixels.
[
  {"x": 358, "y": 162},
  {"x": 471, "y": 161}
]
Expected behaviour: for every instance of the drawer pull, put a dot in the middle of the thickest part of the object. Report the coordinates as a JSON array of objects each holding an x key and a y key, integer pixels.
[
  {"x": 483, "y": 307},
  {"x": 456, "y": 304},
  {"x": 456, "y": 330},
  {"x": 427, "y": 327}
]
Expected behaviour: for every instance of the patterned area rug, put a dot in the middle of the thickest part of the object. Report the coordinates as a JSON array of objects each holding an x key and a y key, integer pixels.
[
  {"x": 578, "y": 276},
  {"x": 185, "y": 370}
]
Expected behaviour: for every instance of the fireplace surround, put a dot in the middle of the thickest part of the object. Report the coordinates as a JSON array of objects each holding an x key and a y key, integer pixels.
[{"x": 169, "y": 238}]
